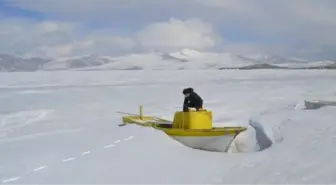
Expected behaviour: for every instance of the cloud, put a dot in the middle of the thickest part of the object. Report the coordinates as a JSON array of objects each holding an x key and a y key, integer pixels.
[
  {"x": 260, "y": 16},
  {"x": 178, "y": 34},
  {"x": 109, "y": 45},
  {"x": 301, "y": 27},
  {"x": 22, "y": 35},
  {"x": 54, "y": 39},
  {"x": 58, "y": 39},
  {"x": 243, "y": 11}
]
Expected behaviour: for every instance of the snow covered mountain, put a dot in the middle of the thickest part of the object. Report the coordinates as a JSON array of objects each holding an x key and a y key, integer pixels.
[
  {"x": 185, "y": 59},
  {"x": 75, "y": 62},
  {"x": 11, "y": 63}
]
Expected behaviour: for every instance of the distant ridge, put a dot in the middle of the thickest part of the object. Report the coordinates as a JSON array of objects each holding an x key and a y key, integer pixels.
[
  {"x": 270, "y": 66},
  {"x": 185, "y": 59}
]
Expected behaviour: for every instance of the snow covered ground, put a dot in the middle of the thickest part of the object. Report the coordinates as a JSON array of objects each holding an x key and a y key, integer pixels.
[{"x": 62, "y": 127}]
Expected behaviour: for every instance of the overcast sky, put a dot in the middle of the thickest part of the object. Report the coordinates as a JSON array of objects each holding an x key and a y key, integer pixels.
[{"x": 54, "y": 28}]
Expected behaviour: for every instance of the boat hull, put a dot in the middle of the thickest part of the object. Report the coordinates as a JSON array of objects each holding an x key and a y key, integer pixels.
[
  {"x": 208, "y": 143},
  {"x": 217, "y": 139}
]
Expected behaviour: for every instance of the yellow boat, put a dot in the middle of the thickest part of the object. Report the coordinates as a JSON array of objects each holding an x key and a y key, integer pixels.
[{"x": 193, "y": 129}]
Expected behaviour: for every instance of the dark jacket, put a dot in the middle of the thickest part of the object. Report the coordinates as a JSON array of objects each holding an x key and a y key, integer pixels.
[{"x": 193, "y": 101}]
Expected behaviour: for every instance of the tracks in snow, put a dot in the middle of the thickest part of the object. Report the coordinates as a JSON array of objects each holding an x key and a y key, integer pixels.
[
  {"x": 66, "y": 160},
  {"x": 18, "y": 120}
]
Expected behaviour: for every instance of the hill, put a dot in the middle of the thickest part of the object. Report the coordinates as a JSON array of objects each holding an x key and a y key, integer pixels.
[{"x": 183, "y": 60}]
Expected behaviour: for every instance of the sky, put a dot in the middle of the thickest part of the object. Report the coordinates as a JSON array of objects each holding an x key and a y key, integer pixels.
[{"x": 60, "y": 28}]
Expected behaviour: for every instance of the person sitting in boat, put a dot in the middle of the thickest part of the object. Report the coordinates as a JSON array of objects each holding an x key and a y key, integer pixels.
[{"x": 191, "y": 100}]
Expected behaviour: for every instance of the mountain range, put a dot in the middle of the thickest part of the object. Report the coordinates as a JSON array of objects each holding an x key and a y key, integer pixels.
[{"x": 182, "y": 60}]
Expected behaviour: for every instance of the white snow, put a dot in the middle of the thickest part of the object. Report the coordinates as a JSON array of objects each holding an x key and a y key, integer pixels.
[
  {"x": 185, "y": 59},
  {"x": 39, "y": 168},
  {"x": 190, "y": 59},
  {"x": 286, "y": 142}
]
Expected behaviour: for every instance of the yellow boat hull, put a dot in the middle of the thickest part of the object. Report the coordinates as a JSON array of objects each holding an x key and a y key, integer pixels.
[{"x": 213, "y": 139}]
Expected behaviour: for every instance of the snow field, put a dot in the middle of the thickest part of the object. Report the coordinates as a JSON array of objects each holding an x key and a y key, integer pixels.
[{"x": 62, "y": 127}]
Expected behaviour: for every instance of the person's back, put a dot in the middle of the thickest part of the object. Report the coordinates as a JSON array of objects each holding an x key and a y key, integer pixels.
[{"x": 191, "y": 100}]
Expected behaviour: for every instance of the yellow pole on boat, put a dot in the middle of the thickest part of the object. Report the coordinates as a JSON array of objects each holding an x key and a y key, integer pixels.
[{"x": 141, "y": 113}]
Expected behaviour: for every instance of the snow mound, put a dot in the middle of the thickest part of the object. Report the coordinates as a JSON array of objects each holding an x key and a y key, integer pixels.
[
  {"x": 315, "y": 104},
  {"x": 300, "y": 105},
  {"x": 254, "y": 139},
  {"x": 263, "y": 141}
]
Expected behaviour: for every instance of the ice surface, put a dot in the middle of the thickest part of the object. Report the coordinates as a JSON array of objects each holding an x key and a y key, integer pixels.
[{"x": 62, "y": 127}]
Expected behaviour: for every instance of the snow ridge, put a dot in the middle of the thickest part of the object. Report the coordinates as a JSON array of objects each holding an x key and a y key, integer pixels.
[{"x": 182, "y": 60}]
